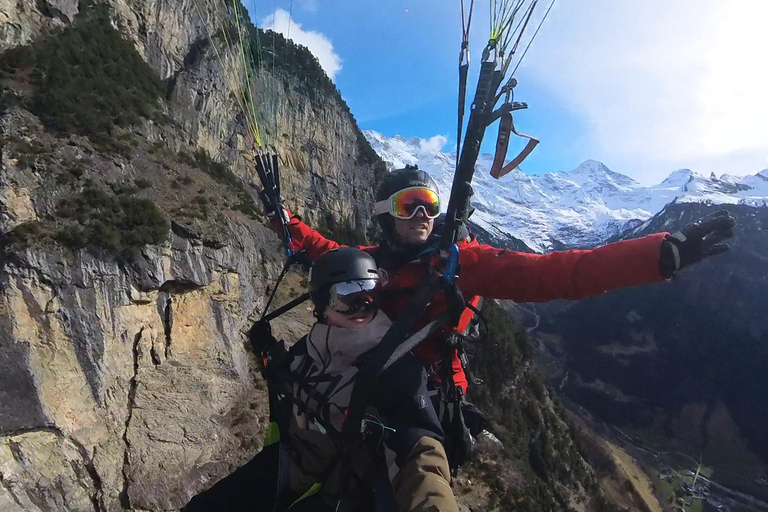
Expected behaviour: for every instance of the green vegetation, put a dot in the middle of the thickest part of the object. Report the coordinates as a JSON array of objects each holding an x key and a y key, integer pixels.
[
  {"x": 342, "y": 232},
  {"x": 123, "y": 188},
  {"x": 220, "y": 173},
  {"x": 24, "y": 234},
  {"x": 70, "y": 176},
  {"x": 182, "y": 181},
  {"x": 142, "y": 183},
  {"x": 85, "y": 79},
  {"x": 95, "y": 218},
  {"x": 278, "y": 55},
  {"x": 521, "y": 413}
]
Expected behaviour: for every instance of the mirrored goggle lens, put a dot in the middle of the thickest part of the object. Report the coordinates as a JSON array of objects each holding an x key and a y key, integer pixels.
[
  {"x": 352, "y": 296},
  {"x": 405, "y": 204}
]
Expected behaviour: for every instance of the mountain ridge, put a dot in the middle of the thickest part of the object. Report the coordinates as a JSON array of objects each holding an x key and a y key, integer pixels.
[{"x": 585, "y": 206}]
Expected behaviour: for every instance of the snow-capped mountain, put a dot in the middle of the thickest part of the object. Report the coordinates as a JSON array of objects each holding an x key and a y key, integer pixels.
[{"x": 582, "y": 207}]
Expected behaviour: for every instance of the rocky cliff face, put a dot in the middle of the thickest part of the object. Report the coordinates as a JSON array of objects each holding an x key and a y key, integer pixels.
[
  {"x": 134, "y": 376},
  {"x": 20, "y": 22},
  {"x": 316, "y": 138},
  {"x": 124, "y": 379}
]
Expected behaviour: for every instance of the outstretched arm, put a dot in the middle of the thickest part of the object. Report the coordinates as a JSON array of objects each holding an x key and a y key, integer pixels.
[{"x": 523, "y": 277}]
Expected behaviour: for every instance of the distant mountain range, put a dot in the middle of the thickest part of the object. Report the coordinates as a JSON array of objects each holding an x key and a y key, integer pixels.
[{"x": 582, "y": 207}]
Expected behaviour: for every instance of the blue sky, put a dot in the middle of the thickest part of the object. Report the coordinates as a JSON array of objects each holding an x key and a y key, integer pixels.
[{"x": 645, "y": 87}]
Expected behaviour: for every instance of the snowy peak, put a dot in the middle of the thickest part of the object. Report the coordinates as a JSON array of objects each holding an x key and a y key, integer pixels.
[
  {"x": 679, "y": 178},
  {"x": 398, "y": 151},
  {"x": 592, "y": 171},
  {"x": 581, "y": 207}
]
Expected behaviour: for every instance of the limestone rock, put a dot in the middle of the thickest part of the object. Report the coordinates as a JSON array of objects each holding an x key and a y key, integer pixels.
[
  {"x": 21, "y": 21},
  {"x": 65, "y": 10},
  {"x": 16, "y": 208},
  {"x": 44, "y": 470},
  {"x": 150, "y": 384},
  {"x": 125, "y": 382},
  {"x": 488, "y": 444}
]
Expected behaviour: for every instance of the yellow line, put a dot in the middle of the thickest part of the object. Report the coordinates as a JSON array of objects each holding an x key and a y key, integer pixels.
[{"x": 232, "y": 83}]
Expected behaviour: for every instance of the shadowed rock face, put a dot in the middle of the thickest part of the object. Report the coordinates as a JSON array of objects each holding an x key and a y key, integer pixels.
[
  {"x": 687, "y": 356},
  {"x": 125, "y": 382},
  {"x": 19, "y": 407}
]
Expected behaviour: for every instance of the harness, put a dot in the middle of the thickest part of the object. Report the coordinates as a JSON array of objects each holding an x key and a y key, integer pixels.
[{"x": 297, "y": 388}]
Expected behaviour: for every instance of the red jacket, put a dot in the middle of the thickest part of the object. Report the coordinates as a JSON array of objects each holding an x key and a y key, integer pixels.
[{"x": 493, "y": 273}]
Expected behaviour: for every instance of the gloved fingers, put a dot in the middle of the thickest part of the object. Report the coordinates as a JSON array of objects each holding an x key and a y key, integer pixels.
[
  {"x": 720, "y": 221},
  {"x": 716, "y": 249},
  {"x": 727, "y": 233},
  {"x": 699, "y": 229},
  {"x": 721, "y": 213},
  {"x": 724, "y": 219},
  {"x": 718, "y": 236},
  {"x": 270, "y": 208}
]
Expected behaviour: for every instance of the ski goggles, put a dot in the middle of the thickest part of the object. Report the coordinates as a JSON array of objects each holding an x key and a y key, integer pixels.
[
  {"x": 405, "y": 204},
  {"x": 349, "y": 297}
]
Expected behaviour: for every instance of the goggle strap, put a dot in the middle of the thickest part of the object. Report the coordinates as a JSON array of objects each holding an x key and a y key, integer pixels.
[{"x": 381, "y": 207}]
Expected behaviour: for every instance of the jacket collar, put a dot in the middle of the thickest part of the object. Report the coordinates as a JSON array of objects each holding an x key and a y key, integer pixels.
[{"x": 334, "y": 349}]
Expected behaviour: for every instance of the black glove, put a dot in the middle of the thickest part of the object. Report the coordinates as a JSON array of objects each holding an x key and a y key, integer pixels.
[
  {"x": 474, "y": 418},
  {"x": 696, "y": 241},
  {"x": 271, "y": 209},
  {"x": 261, "y": 338}
]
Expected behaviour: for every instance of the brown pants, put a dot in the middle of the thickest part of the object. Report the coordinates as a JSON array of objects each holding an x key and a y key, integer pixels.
[{"x": 423, "y": 483}]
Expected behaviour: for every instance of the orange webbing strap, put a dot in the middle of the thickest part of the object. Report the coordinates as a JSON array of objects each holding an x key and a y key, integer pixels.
[
  {"x": 502, "y": 143},
  {"x": 507, "y": 126}
]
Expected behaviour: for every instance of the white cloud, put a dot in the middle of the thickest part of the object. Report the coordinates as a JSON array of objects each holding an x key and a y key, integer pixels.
[
  {"x": 433, "y": 144},
  {"x": 662, "y": 84},
  {"x": 320, "y": 46}
]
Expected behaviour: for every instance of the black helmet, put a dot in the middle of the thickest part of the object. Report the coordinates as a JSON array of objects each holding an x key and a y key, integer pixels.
[
  {"x": 337, "y": 266},
  {"x": 399, "y": 179}
]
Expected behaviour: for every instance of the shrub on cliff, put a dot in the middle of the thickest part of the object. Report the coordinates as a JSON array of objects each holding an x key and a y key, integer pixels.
[
  {"x": 97, "y": 219},
  {"x": 223, "y": 175},
  {"x": 342, "y": 232},
  {"x": 85, "y": 79}
]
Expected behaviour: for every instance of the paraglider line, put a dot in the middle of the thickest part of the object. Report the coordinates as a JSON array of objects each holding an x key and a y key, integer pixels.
[{"x": 534, "y": 36}]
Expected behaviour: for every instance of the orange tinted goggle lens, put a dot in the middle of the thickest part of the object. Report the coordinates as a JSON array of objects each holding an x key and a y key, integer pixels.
[{"x": 406, "y": 202}]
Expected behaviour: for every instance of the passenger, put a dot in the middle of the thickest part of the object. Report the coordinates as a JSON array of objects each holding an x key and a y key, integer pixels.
[{"x": 400, "y": 465}]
